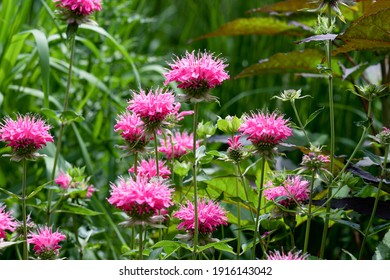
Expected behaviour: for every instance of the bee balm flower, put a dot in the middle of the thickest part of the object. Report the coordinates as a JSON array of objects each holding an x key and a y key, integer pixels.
[
  {"x": 182, "y": 143},
  {"x": 277, "y": 255},
  {"x": 147, "y": 169},
  {"x": 46, "y": 243},
  {"x": 6, "y": 222},
  {"x": 77, "y": 11}
]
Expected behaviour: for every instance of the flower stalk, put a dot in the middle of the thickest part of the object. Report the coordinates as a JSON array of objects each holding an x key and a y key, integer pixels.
[
  {"x": 24, "y": 212},
  {"x": 194, "y": 179}
]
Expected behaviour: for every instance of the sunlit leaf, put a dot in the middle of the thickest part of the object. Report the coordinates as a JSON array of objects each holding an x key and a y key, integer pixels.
[{"x": 287, "y": 6}]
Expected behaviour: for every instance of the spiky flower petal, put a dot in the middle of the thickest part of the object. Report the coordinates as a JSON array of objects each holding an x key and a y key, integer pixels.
[
  {"x": 46, "y": 242},
  {"x": 7, "y": 222},
  {"x": 147, "y": 169}
]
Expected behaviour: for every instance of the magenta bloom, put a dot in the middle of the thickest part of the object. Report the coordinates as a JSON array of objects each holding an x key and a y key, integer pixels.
[
  {"x": 6, "y": 222},
  {"x": 277, "y": 255},
  {"x": 63, "y": 179},
  {"x": 235, "y": 151},
  {"x": 182, "y": 144},
  {"x": 153, "y": 107},
  {"x": 25, "y": 135},
  {"x": 46, "y": 242},
  {"x": 147, "y": 169},
  {"x": 80, "y": 7},
  {"x": 265, "y": 130},
  {"x": 76, "y": 182},
  {"x": 140, "y": 198},
  {"x": 292, "y": 189},
  {"x": 132, "y": 130},
  {"x": 210, "y": 216}
]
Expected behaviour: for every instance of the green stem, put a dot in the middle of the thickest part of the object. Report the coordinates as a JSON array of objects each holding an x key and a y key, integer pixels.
[
  {"x": 62, "y": 127},
  {"x": 238, "y": 218},
  {"x": 156, "y": 153},
  {"x": 332, "y": 134},
  {"x": 309, "y": 214},
  {"x": 24, "y": 211},
  {"x": 135, "y": 164},
  {"x": 383, "y": 172},
  {"x": 258, "y": 211},
  {"x": 300, "y": 122},
  {"x": 140, "y": 245},
  {"x": 245, "y": 186},
  {"x": 194, "y": 179}
]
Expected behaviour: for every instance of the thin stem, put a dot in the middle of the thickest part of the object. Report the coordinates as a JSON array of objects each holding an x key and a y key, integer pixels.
[
  {"x": 245, "y": 186},
  {"x": 140, "y": 245},
  {"x": 258, "y": 210},
  {"x": 238, "y": 218},
  {"x": 62, "y": 126},
  {"x": 300, "y": 122},
  {"x": 156, "y": 152},
  {"x": 194, "y": 179},
  {"x": 332, "y": 134},
  {"x": 383, "y": 172},
  {"x": 309, "y": 214},
  {"x": 135, "y": 164},
  {"x": 24, "y": 211}
]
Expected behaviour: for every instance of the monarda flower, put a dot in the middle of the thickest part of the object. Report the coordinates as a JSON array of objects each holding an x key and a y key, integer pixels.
[
  {"x": 235, "y": 152},
  {"x": 196, "y": 74},
  {"x": 210, "y": 216},
  {"x": 77, "y": 11},
  {"x": 75, "y": 182},
  {"x": 315, "y": 161},
  {"x": 46, "y": 243},
  {"x": 265, "y": 130},
  {"x": 147, "y": 169},
  {"x": 153, "y": 107},
  {"x": 7, "y": 222},
  {"x": 293, "y": 189},
  {"x": 277, "y": 255},
  {"x": 180, "y": 144},
  {"x": 383, "y": 137},
  {"x": 140, "y": 199},
  {"x": 132, "y": 130},
  {"x": 25, "y": 136}
]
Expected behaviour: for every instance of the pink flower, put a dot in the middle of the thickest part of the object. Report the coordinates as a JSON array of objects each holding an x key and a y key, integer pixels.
[
  {"x": 292, "y": 189},
  {"x": 63, "y": 179},
  {"x": 25, "y": 135},
  {"x": 46, "y": 242},
  {"x": 90, "y": 191},
  {"x": 182, "y": 144},
  {"x": 6, "y": 222},
  {"x": 315, "y": 161},
  {"x": 80, "y": 7},
  {"x": 265, "y": 130},
  {"x": 197, "y": 73},
  {"x": 210, "y": 216},
  {"x": 132, "y": 131},
  {"x": 140, "y": 198},
  {"x": 235, "y": 151},
  {"x": 153, "y": 107},
  {"x": 277, "y": 255},
  {"x": 147, "y": 169}
]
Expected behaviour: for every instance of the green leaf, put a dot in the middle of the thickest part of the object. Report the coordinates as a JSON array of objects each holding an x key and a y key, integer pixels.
[
  {"x": 181, "y": 168},
  {"x": 5, "y": 244},
  {"x": 287, "y": 6},
  {"x": 254, "y": 26},
  {"x": 78, "y": 210},
  {"x": 220, "y": 245},
  {"x": 370, "y": 32},
  {"x": 11, "y": 194},
  {"x": 50, "y": 114},
  {"x": 71, "y": 116},
  {"x": 37, "y": 190},
  {"x": 382, "y": 252},
  {"x": 313, "y": 116}
]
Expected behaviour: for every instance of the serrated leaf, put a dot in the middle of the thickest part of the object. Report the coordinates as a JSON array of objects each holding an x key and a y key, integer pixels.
[
  {"x": 254, "y": 26},
  {"x": 370, "y": 32},
  {"x": 78, "y": 210}
]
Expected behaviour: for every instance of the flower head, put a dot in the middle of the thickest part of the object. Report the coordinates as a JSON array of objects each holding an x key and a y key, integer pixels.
[
  {"x": 384, "y": 136},
  {"x": 265, "y": 130},
  {"x": 147, "y": 169},
  {"x": 277, "y": 255},
  {"x": 210, "y": 216},
  {"x": 63, "y": 179},
  {"x": 25, "y": 135},
  {"x": 153, "y": 107},
  {"x": 314, "y": 161},
  {"x": 140, "y": 198},
  {"x": 46, "y": 242},
  {"x": 293, "y": 189},
  {"x": 235, "y": 151},
  {"x": 75, "y": 182},
  {"x": 182, "y": 144},
  {"x": 77, "y": 11},
  {"x": 132, "y": 130},
  {"x": 197, "y": 73},
  {"x": 7, "y": 222}
]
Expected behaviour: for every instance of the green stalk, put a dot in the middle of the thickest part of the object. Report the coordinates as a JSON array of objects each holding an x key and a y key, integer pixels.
[
  {"x": 309, "y": 214},
  {"x": 238, "y": 218},
  {"x": 258, "y": 211},
  {"x": 156, "y": 152},
  {"x": 300, "y": 122},
  {"x": 332, "y": 134},
  {"x": 194, "y": 179},
  {"x": 62, "y": 126},
  {"x": 140, "y": 245},
  {"x": 383, "y": 172},
  {"x": 245, "y": 186},
  {"x": 24, "y": 212}
]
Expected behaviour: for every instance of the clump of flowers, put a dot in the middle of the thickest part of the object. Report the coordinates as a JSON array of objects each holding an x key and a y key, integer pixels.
[
  {"x": 196, "y": 74},
  {"x": 292, "y": 190},
  {"x": 7, "y": 222},
  {"x": 291, "y": 255},
  {"x": 141, "y": 199},
  {"x": 210, "y": 217},
  {"x": 77, "y": 11},
  {"x": 315, "y": 161},
  {"x": 132, "y": 130},
  {"x": 147, "y": 169},
  {"x": 182, "y": 143},
  {"x": 75, "y": 183},
  {"x": 153, "y": 107},
  {"x": 46, "y": 243},
  {"x": 265, "y": 130},
  {"x": 236, "y": 151},
  {"x": 25, "y": 136}
]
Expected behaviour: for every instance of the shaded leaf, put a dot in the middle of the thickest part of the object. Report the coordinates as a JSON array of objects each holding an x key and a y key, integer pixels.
[
  {"x": 369, "y": 32},
  {"x": 382, "y": 252},
  {"x": 77, "y": 209},
  {"x": 254, "y": 26},
  {"x": 313, "y": 116},
  {"x": 11, "y": 194}
]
